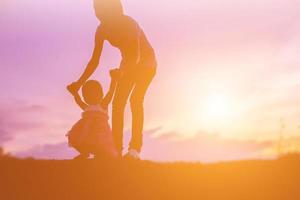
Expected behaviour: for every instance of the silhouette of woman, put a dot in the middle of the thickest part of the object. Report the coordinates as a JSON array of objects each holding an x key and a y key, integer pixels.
[{"x": 138, "y": 67}]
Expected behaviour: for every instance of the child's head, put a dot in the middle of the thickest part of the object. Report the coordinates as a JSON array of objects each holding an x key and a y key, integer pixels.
[{"x": 92, "y": 92}]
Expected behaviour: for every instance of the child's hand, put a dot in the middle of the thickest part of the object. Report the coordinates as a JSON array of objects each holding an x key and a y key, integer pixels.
[
  {"x": 115, "y": 74},
  {"x": 73, "y": 88}
]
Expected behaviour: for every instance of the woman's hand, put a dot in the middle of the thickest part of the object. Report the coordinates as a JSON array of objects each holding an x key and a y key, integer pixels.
[
  {"x": 73, "y": 88},
  {"x": 115, "y": 74}
]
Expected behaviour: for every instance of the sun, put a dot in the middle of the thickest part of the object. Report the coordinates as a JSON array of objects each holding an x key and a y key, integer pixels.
[
  {"x": 218, "y": 106},
  {"x": 212, "y": 109}
]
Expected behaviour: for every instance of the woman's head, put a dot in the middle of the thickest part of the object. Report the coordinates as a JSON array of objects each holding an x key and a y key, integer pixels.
[
  {"x": 108, "y": 9},
  {"x": 92, "y": 92}
]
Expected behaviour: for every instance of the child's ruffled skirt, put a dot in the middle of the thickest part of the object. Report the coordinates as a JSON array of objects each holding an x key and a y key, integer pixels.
[{"x": 92, "y": 134}]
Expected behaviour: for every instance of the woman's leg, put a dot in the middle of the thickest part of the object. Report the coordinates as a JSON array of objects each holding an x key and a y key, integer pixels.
[
  {"x": 142, "y": 83},
  {"x": 123, "y": 90}
]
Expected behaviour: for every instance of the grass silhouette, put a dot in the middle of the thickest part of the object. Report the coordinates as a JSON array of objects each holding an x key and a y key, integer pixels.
[{"x": 98, "y": 179}]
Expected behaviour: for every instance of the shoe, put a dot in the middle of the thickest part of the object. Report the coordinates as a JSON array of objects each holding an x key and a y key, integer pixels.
[
  {"x": 132, "y": 154},
  {"x": 81, "y": 157}
]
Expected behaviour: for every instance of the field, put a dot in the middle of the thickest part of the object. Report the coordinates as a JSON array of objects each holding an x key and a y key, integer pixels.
[{"x": 98, "y": 179}]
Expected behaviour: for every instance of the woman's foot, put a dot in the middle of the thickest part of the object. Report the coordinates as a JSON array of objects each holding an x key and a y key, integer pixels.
[{"x": 132, "y": 154}]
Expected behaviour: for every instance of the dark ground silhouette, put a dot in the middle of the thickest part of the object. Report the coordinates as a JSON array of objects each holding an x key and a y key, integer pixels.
[{"x": 90, "y": 179}]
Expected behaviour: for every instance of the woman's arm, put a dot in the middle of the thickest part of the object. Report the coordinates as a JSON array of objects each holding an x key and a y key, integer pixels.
[{"x": 93, "y": 63}]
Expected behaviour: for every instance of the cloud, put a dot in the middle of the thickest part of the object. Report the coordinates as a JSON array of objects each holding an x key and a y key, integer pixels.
[
  {"x": 204, "y": 147},
  {"x": 49, "y": 151},
  {"x": 4, "y": 134},
  {"x": 18, "y": 116},
  {"x": 61, "y": 150}
]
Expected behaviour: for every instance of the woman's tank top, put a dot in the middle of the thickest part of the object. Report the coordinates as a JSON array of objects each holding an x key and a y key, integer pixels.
[{"x": 119, "y": 35}]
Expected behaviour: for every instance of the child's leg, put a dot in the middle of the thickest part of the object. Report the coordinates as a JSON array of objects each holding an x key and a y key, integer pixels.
[
  {"x": 83, "y": 153},
  {"x": 82, "y": 156}
]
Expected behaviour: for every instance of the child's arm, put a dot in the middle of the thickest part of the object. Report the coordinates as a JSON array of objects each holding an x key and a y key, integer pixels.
[
  {"x": 79, "y": 102},
  {"x": 115, "y": 74},
  {"x": 77, "y": 99}
]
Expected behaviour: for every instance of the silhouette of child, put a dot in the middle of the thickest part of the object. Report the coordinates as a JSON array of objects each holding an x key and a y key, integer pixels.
[{"x": 92, "y": 133}]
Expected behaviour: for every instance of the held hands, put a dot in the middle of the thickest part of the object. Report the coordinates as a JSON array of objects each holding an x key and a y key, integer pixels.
[
  {"x": 115, "y": 74},
  {"x": 73, "y": 88}
]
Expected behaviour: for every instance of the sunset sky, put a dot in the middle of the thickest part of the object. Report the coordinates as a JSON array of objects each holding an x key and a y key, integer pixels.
[{"x": 227, "y": 79}]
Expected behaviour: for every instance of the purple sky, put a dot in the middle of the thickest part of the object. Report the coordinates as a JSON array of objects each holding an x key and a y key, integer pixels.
[{"x": 238, "y": 55}]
